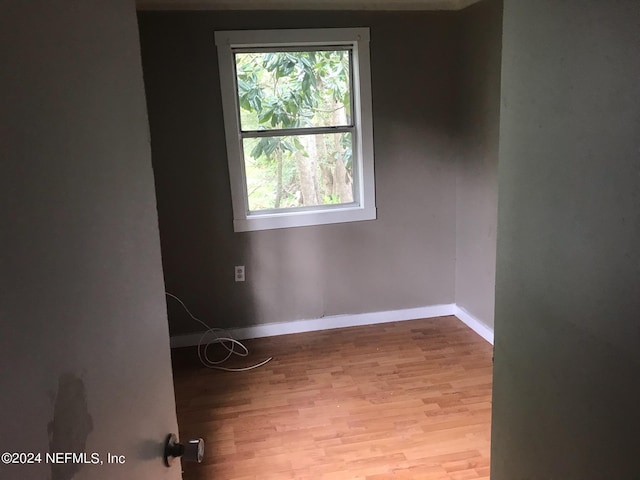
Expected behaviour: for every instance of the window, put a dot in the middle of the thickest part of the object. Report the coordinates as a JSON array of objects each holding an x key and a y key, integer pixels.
[{"x": 297, "y": 116}]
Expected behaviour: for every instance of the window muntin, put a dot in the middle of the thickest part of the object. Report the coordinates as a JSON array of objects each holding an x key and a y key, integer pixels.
[{"x": 297, "y": 113}]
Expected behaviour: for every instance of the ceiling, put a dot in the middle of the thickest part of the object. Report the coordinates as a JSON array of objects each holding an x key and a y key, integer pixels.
[{"x": 303, "y": 4}]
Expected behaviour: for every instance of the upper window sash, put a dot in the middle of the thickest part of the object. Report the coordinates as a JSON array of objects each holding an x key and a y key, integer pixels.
[{"x": 350, "y": 121}]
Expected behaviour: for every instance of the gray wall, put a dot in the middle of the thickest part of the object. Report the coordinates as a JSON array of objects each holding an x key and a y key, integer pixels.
[
  {"x": 477, "y": 175},
  {"x": 567, "y": 361},
  {"x": 84, "y": 346},
  {"x": 405, "y": 258}
]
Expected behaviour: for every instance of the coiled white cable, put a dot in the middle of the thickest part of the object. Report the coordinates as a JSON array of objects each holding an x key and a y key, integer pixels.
[{"x": 227, "y": 342}]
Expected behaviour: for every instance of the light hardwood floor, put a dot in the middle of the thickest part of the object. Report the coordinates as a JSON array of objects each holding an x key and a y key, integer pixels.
[{"x": 403, "y": 400}]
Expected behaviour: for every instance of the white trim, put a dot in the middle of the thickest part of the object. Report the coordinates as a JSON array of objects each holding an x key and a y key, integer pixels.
[
  {"x": 357, "y": 39},
  {"x": 289, "y": 37},
  {"x": 304, "y": 218},
  {"x": 474, "y": 324},
  {"x": 385, "y": 5},
  {"x": 325, "y": 323}
]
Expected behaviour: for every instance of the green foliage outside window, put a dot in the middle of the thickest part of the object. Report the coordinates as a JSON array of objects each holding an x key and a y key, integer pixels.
[{"x": 296, "y": 90}]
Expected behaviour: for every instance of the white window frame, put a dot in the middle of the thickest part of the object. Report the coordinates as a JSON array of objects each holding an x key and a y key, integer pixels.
[{"x": 363, "y": 207}]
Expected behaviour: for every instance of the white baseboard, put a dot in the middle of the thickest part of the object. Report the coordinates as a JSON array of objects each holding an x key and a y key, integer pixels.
[
  {"x": 325, "y": 323},
  {"x": 341, "y": 321},
  {"x": 475, "y": 324}
]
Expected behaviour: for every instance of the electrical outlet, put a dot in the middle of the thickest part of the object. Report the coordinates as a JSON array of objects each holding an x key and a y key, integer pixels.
[{"x": 239, "y": 272}]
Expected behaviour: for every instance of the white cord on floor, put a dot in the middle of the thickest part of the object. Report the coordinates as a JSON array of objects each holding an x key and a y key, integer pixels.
[{"x": 226, "y": 341}]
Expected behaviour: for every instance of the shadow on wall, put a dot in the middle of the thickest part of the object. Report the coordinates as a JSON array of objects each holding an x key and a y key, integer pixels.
[{"x": 298, "y": 256}]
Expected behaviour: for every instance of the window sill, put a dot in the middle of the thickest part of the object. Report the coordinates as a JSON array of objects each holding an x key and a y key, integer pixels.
[{"x": 303, "y": 219}]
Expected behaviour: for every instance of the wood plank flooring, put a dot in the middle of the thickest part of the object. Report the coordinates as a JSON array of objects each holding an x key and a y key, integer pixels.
[{"x": 403, "y": 400}]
